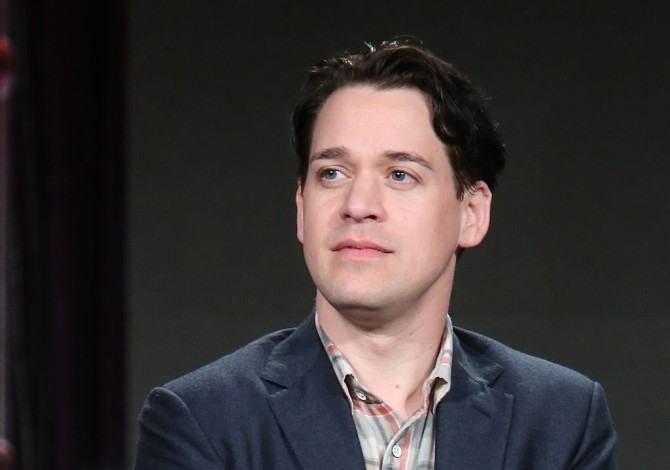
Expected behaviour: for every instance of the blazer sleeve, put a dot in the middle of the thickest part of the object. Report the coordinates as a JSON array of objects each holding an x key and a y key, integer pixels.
[
  {"x": 596, "y": 451},
  {"x": 170, "y": 437}
]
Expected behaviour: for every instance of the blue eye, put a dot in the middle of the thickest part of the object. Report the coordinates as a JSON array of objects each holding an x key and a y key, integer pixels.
[
  {"x": 400, "y": 176},
  {"x": 330, "y": 174}
]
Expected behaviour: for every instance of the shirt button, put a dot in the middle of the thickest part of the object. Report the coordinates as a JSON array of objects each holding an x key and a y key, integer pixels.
[
  {"x": 361, "y": 396},
  {"x": 397, "y": 451}
]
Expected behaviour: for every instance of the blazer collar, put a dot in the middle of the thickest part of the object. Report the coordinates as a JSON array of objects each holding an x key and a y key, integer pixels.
[
  {"x": 473, "y": 420},
  {"x": 309, "y": 404}
]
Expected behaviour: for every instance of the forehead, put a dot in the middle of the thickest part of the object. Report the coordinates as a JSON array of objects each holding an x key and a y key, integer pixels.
[{"x": 370, "y": 119}]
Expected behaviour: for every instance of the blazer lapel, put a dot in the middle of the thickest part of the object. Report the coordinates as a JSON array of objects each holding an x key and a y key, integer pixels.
[
  {"x": 310, "y": 406},
  {"x": 473, "y": 421}
]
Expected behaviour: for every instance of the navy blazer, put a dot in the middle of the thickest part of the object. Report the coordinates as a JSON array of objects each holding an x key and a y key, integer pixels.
[{"x": 276, "y": 404}]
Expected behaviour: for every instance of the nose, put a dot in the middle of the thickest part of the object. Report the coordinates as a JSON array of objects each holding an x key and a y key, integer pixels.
[{"x": 363, "y": 200}]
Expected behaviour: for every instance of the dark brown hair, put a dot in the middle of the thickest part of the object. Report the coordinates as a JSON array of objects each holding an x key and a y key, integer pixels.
[{"x": 460, "y": 119}]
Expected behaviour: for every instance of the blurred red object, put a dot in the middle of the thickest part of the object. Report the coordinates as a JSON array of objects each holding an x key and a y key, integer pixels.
[
  {"x": 6, "y": 67},
  {"x": 5, "y": 454}
]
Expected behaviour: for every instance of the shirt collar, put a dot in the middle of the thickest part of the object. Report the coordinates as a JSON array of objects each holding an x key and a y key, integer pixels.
[{"x": 435, "y": 387}]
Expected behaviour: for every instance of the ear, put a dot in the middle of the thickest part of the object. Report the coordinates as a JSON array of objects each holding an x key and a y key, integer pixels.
[
  {"x": 475, "y": 215},
  {"x": 299, "y": 211}
]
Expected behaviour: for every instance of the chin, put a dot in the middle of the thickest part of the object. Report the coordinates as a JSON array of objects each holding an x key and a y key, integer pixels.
[
  {"x": 351, "y": 302},
  {"x": 356, "y": 300}
]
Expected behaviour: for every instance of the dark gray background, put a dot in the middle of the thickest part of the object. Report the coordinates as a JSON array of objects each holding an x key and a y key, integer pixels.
[{"x": 575, "y": 266}]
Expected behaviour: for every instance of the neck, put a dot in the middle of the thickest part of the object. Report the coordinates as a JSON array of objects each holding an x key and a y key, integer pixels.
[{"x": 391, "y": 359}]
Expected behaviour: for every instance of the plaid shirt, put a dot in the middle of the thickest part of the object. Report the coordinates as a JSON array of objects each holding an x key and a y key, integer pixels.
[{"x": 386, "y": 442}]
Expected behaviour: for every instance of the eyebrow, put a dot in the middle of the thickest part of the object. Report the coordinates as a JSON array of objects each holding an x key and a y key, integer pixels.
[
  {"x": 338, "y": 153},
  {"x": 333, "y": 153},
  {"x": 408, "y": 157}
]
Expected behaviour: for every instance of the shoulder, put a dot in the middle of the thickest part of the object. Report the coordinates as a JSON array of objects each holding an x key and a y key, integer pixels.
[
  {"x": 237, "y": 370},
  {"x": 241, "y": 364},
  {"x": 184, "y": 422},
  {"x": 517, "y": 372},
  {"x": 223, "y": 391},
  {"x": 559, "y": 414}
]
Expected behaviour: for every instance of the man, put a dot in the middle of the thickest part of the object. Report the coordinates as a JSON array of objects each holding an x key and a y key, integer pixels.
[{"x": 398, "y": 159}]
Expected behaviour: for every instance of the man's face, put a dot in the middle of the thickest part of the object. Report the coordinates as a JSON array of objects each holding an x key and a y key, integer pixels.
[{"x": 378, "y": 215}]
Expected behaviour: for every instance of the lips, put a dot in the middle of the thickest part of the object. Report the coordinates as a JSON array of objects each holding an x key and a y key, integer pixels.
[{"x": 362, "y": 246}]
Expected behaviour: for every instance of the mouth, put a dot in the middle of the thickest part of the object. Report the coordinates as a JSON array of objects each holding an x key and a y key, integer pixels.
[{"x": 360, "y": 249}]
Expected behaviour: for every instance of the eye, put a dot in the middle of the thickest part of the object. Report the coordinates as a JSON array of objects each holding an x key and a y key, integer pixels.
[
  {"x": 401, "y": 177},
  {"x": 330, "y": 174}
]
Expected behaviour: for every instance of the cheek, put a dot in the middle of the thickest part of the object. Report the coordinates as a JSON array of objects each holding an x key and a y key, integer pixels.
[
  {"x": 439, "y": 225},
  {"x": 408, "y": 218},
  {"x": 313, "y": 223}
]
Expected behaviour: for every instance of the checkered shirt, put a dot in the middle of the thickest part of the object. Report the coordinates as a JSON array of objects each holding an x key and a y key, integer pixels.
[{"x": 388, "y": 443}]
